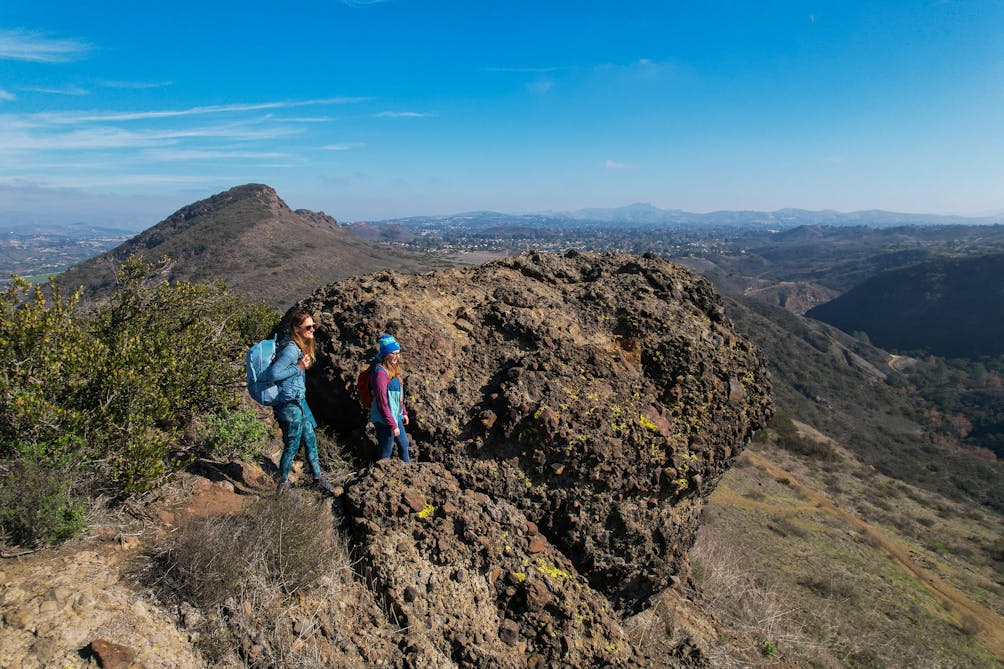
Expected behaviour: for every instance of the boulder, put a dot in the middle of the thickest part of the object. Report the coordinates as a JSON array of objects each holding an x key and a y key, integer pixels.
[
  {"x": 461, "y": 582},
  {"x": 112, "y": 655},
  {"x": 603, "y": 396}
]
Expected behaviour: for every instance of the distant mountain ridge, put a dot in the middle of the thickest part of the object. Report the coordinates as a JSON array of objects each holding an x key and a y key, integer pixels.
[
  {"x": 251, "y": 238},
  {"x": 646, "y": 214}
]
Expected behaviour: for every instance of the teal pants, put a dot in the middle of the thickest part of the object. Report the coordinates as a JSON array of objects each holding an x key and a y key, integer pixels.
[{"x": 297, "y": 425}]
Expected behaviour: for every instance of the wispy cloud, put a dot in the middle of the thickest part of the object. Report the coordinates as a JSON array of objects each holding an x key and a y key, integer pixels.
[
  {"x": 643, "y": 67},
  {"x": 103, "y": 117},
  {"x": 133, "y": 85},
  {"x": 65, "y": 90},
  {"x": 91, "y": 181},
  {"x": 210, "y": 154},
  {"x": 103, "y": 138},
  {"x": 6, "y": 96},
  {"x": 37, "y": 47},
  {"x": 526, "y": 70},
  {"x": 343, "y": 147},
  {"x": 19, "y": 138},
  {"x": 403, "y": 114},
  {"x": 614, "y": 165},
  {"x": 539, "y": 87},
  {"x": 309, "y": 119}
]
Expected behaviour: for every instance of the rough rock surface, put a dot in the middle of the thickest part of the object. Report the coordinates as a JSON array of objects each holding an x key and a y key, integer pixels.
[
  {"x": 603, "y": 396},
  {"x": 68, "y": 605},
  {"x": 470, "y": 579}
]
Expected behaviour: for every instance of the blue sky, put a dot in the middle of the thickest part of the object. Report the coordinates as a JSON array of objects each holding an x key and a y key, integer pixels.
[{"x": 119, "y": 112}]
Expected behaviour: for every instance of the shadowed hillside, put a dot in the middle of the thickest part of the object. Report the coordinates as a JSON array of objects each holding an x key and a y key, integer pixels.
[
  {"x": 845, "y": 387},
  {"x": 951, "y": 307},
  {"x": 251, "y": 239}
]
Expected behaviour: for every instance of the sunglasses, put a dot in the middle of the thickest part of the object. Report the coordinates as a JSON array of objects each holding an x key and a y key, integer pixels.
[{"x": 308, "y": 327}]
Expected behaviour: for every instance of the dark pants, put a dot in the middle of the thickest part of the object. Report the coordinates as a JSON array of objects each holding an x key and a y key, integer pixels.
[
  {"x": 296, "y": 427},
  {"x": 385, "y": 441}
]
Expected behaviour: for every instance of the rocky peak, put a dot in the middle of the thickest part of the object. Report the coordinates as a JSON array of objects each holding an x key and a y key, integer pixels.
[
  {"x": 318, "y": 217},
  {"x": 603, "y": 396},
  {"x": 211, "y": 205}
]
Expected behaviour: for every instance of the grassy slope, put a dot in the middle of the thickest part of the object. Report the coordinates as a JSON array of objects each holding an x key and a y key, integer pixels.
[
  {"x": 865, "y": 571},
  {"x": 884, "y": 553}
]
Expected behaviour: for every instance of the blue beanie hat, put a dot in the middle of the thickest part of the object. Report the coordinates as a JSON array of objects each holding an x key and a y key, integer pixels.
[{"x": 387, "y": 345}]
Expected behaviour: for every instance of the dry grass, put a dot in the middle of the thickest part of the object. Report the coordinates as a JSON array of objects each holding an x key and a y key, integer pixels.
[
  {"x": 332, "y": 458},
  {"x": 764, "y": 623},
  {"x": 845, "y": 600},
  {"x": 278, "y": 543},
  {"x": 261, "y": 579}
]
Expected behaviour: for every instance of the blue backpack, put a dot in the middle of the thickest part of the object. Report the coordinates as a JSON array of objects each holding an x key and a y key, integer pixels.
[{"x": 256, "y": 361}]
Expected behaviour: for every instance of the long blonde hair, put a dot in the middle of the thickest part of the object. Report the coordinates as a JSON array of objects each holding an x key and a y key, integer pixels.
[
  {"x": 392, "y": 370},
  {"x": 306, "y": 345}
]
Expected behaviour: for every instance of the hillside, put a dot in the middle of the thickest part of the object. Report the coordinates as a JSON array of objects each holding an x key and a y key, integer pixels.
[
  {"x": 250, "y": 238},
  {"x": 867, "y": 539},
  {"x": 950, "y": 307},
  {"x": 571, "y": 415},
  {"x": 843, "y": 386}
]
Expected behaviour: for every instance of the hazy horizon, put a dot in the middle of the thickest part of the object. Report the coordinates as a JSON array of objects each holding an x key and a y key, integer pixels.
[{"x": 12, "y": 220}]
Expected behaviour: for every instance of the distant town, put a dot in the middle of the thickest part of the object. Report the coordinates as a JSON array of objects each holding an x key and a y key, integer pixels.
[{"x": 38, "y": 255}]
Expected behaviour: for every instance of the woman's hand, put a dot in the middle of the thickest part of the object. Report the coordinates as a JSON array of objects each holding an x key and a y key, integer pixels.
[
  {"x": 397, "y": 432},
  {"x": 404, "y": 419},
  {"x": 304, "y": 362}
]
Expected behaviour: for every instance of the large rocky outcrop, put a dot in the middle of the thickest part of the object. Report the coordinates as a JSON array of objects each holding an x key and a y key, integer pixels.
[
  {"x": 603, "y": 396},
  {"x": 469, "y": 578}
]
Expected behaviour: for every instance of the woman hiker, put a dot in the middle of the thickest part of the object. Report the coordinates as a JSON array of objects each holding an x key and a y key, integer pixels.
[
  {"x": 387, "y": 411},
  {"x": 288, "y": 371}
]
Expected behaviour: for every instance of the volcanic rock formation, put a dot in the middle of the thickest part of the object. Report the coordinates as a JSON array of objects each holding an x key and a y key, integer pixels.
[
  {"x": 463, "y": 571},
  {"x": 603, "y": 396}
]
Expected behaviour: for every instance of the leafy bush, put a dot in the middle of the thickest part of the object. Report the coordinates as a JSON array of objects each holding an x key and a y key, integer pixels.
[
  {"x": 116, "y": 388},
  {"x": 238, "y": 435},
  {"x": 36, "y": 504},
  {"x": 789, "y": 439},
  {"x": 172, "y": 352},
  {"x": 44, "y": 360}
]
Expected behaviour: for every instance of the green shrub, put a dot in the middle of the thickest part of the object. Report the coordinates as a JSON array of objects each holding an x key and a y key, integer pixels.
[
  {"x": 697, "y": 569},
  {"x": 786, "y": 527},
  {"x": 173, "y": 352},
  {"x": 238, "y": 435},
  {"x": 788, "y": 438},
  {"x": 996, "y": 550},
  {"x": 45, "y": 362},
  {"x": 122, "y": 383},
  {"x": 37, "y": 504}
]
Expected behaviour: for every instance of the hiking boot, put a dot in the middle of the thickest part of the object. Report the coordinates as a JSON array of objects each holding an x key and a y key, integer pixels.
[
  {"x": 282, "y": 488},
  {"x": 322, "y": 484}
]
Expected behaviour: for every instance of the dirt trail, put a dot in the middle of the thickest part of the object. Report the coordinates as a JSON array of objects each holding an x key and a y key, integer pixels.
[{"x": 990, "y": 625}]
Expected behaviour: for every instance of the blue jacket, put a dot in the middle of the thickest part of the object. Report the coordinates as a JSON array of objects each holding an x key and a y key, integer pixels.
[{"x": 285, "y": 373}]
